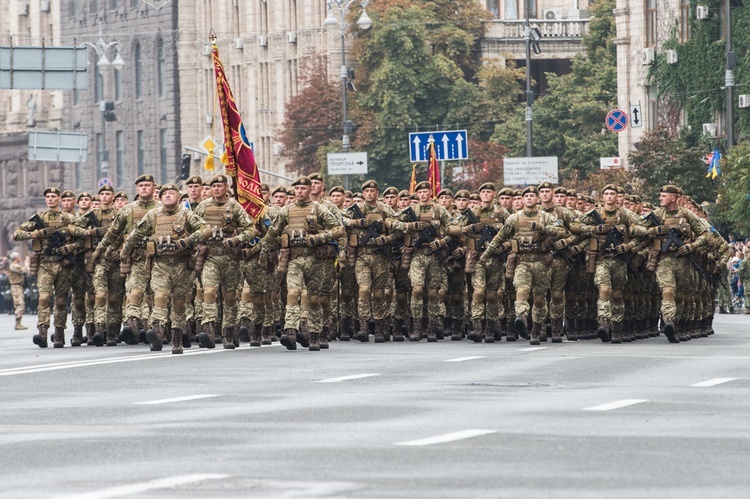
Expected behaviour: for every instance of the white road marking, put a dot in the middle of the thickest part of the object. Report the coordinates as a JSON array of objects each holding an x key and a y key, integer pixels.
[
  {"x": 137, "y": 488},
  {"x": 533, "y": 349},
  {"x": 461, "y": 359},
  {"x": 346, "y": 378},
  {"x": 713, "y": 382},
  {"x": 615, "y": 405},
  {"x": 176, "y": 399},
  {"x": 448, "y": 437},
  {"x": 114, "y": 360}
]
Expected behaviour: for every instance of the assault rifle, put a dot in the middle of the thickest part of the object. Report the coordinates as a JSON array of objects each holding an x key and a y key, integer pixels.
[
  {"x": 426, "y": 235},
  {"x": 56, "y": 239},
  {"x": 372, "y": 232},
  {"x": 614, "y": 238},
  {"x": 488, "y": 233}
]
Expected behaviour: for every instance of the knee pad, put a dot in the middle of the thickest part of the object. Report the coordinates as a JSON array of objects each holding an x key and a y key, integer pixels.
[
  {"x": 101, "y": 298},
  {"x": 456, "y": 297},
  {"x": 605, "y": 292},
  {"x": 113, "y": 299},
  {"x": 44, "y": 300},
  {"x": 161, "y": 299},
  {"x": 388, "y": 294},
  {"x": 617, "y": 296},
  {"x": 378, "y": 295},
  {"x": 78, "y": 303},
  {"x": 293, "y": 296},
  {"x": 178, "y": 305},
  {"x": 522, "y": 294},
  {"x": 491, "y": 295},
  {"x": 364, "y": 293},
  {"x": 257, "y": 299},
  {"x": 325, "y": 300},
  {"x": 540, "y": 301},
  {"x": 401, "y": 298},
  {"x": 417, "y": 291},
  {"x": 478, "y": 295},
  {"x": 433, "y": 295},
  {"x": 313, "y": 301},
  {"x": 230, "y": 297},
  {"x": 209, "y": 295},
  {"x": 556, "y": 296},
  {"x": 247, "y": 296},
  {"x": 305, "y": 300},
  {"x": 667, "y": 294},
  {"x": 135, "y": 296}
]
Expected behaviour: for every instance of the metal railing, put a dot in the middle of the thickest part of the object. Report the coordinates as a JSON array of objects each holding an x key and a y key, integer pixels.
[{"x": 561, "y": 29}]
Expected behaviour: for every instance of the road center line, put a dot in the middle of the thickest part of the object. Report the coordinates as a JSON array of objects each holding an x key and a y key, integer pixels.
[
  {"x": 137, "y": 488},
  {"x": 346, "y": 378},
  {"x": 176, "y": 399},
  {"x": 532, "y": 349},
  {"x": 461, "y": 359},
  {"x": 713, "y": 382},
  {"x": 448, "y": 437},
  {"x": 618, "y": 404}
]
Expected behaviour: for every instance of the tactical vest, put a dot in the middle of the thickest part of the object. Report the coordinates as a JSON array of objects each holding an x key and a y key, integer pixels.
[
  {"x": 526, "y": 240},
  {"x": 40, "y": 245},
  {"x": 677, "y": 220},
  {"x": 219, "y": 217},
  {"x": 301, "y": 221},
  {"x": 169, "y": 228},
  {"x": 136, "y": 215},
  {"x": 105, "y": 218},
  {"x": 496, "y": 220},
  {"x": 610, "y": 222},
  {"x": 375, "y": 216}
]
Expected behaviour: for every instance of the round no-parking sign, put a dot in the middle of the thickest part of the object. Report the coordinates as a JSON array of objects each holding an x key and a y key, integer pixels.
[{"x": 617, "y": 120}]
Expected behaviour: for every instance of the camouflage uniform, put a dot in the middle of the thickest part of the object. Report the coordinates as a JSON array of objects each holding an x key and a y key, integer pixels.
[
  {"x": 169, "y": 235},
  {"x": 230, "y": 227},
  {"x": 16, "y": 291},
  {"x": 257, "y": 285}
]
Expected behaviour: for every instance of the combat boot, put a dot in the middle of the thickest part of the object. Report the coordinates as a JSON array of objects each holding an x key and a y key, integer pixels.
[
  {"x": 476, "y": 334},
  {"x": 141, "y": 328},
  {"x": 129, "y": 334},
  {"x": 703, "y": 327},
  {"x": 303, "y": 336},
  {"x": 617, "y": 335},
  {"x": 325, "y": 337},
  {"x": 521, "y": 326},
  {"x": 227, "y": 335},
  {"x": 207, "y": 338},
  {"x": 546, "y": 331},
  {"x": 653, "y": 327},
  {"x": 266, "y": 337},
  {"x": 187, "y": 341},
  {"x": 489, "y": 333},
  {"x": 731, "y": 309},
  {"x": 431, "y": 331},
  {"x": 510, "y": 332},
  {"x": 111, "y": 335},
  {"x": 89, "y": 332},
  {"x": 557, "y": 331},
  {"x": 440, "y": 328},
  {"x": 638, "y": 332},
  {"x": 245, "y": 331},
  {"x": 571, "y": 331},
  {"x": 416, "y": 333},
  {"x": 456, "y": 333},
  {"x": 346, "y": 329},
  {"x": 363, "y": 334},
  {"x": 75, "y": 341},
  {"x": 191, "y": 330},
  {"x": 154, "y": 336},
  {"x": 498, "y": 330},
  {"x": 314, "y": 345},
  {"x": 289, "y": 339},
  {"x": 604, "y": 330},
  {"x": 177, "y": 340},
  {"x": 21, "y": 327},
  {"x": 626, "y": 335},
  {"x": 536, "y": 334},
  {"x": 398, "y": 330},
  {"x": 58, "y": 338},
  {"x": 100, "y": 334},
  {"x": 379, "y": 326},
  {"x": 670, "y": 333},
  {"x": 254, "y": 336},
  {"x": 41, "y": 337},
  {"x": 722, "y": 310},
  {"x": 694, "y": 330}
]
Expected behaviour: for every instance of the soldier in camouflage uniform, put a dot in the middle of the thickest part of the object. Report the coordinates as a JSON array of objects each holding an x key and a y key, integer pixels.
[
  {"x": 425, "y": 236},
  {"x": 744, "y": 273},
  {"x": 194, "y": 186},
  {"x": 254, "y": 326},
  {"x": 105, "y": 270},
  {"x": 231, "y": 227},
  {"x": 345, "y": 307},
  {"x": 53, "y": 269},
  {"x": 170, "y": 231},
  {"x": 304, "y": 231},
  {"x": 369, "y": 244},
  {"x": 674, "y": 272},
  {"x": 136, "y": 268},
  {"x": 529, "y": 234}
]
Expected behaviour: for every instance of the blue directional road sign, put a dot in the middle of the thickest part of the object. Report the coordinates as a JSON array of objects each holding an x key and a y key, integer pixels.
[
  {"x": 449, "y": 145},
  {"x": 617, "y": 120}
]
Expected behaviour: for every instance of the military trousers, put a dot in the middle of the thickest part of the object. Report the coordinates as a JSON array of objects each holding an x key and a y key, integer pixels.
[
  {"x": 610, "y": 278},
  {"x": 305, "y": 272},
  {"x": 531, "y": 278},
  {"x": 674, "y": 276},
  {"x": 221, "y": 275},
  {"x": 110, "y": 289},
  {"x": 171, "y": 280},
  {"x": 53, "y": 278},
  {"x": 426, "y": 271},
  {"x": 488, "y": 282},
  {"x": 372, "y": 273}
]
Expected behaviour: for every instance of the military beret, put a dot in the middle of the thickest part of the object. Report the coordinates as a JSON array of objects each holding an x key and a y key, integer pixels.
[
  {"x": 422, "y": 185},
  {"x": 357, "y": 195},
  {"x": 265, "y": 187},
  {"x": 121, "y": 194},
  {"x": 487, "y": 185},
  {"x": 51, "y": 190},
  {"x": 671, "y": 189},
  {"x": 474, "y": 197},
  {"x": 463, "y": 194},
  {"x": 572, "y": 192},
  {"x": 390, "y": 191},
  {"x": 278, "y": 189},
  {"x": 337, "y": 188},
  {"x": 168, "y": 187},
  {"x": 348, "y": 193},
  {"x": 206, "y": 183},
  {"x": 561, "y": 190},
  {"x": 517, "y": 193},
  {"x": 529, "y": 189},
  {"x": 183, "y": 196},
  {"x": 146, "y": 177},
  {"x": 404, "y": 194},
  {"x": 413, "y": 196},
  {"x": 219, "y": 179},
  {"x": 370, "y": 184},
  {"x": 634, "y": 198},
  {"x": 290, "y": 192},
  {"x": 316, "y": 176},
  {"x": 445, "y": 192},
  {"x": 67, "y": 194},
  {"x": 648, "y": 205},
  {"x": 609, "y": 187},
  {"x": 195, "y": 179},
  {"x": 106, "y": 188},
  {"x": 620, "y": 190},
  {"x": 545, "y": 185},
  {"x": 589, "y": 199},
  {"x": 95, "y": 197},
  {"x": 84, "y": 194},
  {"x": 157, "y": 187},
  {"x": 302, "y": 181},
  {"x": 505, "y": 191}
]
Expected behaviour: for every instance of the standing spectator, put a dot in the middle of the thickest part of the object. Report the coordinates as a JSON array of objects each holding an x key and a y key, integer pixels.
[
  {"x": 17, "y": 271},
  {"x": 744, "y": 273}
]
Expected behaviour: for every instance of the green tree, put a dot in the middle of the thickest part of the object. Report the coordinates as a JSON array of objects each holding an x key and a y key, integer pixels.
[{"x": 733, "y": 208}]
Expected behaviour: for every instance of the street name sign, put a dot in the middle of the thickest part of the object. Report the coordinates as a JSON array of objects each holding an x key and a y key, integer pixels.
[
  {"x": 347, "y": 163},
  {"x": 530, "y": 171}
]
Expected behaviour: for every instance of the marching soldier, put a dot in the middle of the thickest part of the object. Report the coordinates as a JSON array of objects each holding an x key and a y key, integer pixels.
[
  {"x": 304, "y": 231},
  {"x": 121, "y": 199},
  {"x": 528, "y": 233},
  {"x": 346, "y": 287},
  {"x": 231, "y": 227},
  {"x": 17, "y": 273},
  {"x": 170, "y": 231}
]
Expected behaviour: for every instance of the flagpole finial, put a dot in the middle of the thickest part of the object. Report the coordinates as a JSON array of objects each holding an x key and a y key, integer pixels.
[{"x": 212, "y": 36}]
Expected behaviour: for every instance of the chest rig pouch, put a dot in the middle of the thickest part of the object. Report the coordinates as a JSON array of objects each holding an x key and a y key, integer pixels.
[
  {"x": 526, "y": 240},
  {"x": 169, "y": 228},
  {"x": 220, "y": 219},
  {"x": 43, "y": 245},
  {"x": 299, "y": 226}
]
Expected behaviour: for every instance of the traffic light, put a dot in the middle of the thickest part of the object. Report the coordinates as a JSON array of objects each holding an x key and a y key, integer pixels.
[{"x": 185, "y": 167}]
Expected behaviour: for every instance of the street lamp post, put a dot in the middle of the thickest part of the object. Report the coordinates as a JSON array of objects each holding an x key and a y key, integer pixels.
[
  {"x": 103, "y": 63},
  {"x": 364, "y": 22}
]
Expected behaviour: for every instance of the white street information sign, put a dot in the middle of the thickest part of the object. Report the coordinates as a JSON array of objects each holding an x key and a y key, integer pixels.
[
  {"x": 347, "y": 163},
  {"x": 530, "y": 171}
]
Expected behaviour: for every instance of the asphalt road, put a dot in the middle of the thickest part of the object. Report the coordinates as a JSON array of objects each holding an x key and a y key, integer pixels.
[{"x": 452, "y": 419}]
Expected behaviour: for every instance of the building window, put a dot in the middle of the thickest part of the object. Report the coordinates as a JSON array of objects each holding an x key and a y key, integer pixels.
[
  {"x": 138, "y": 72},
  {"x": 98, "y": 85},
  {"x": 163, "y": 154},
  {"x": 73, "y": 7},
  {"x": 94, "y": 6},
  {"x": 494, "y": 7},
  {"x": 141, "y": 154},
  {"x": 161, "y": 69},
  {"x": 118, "y": 84},
  {"x": 650, "y": 23},
  {"x": 684, "y": 20},
  {"x": 113, "y": 4},
  {"x": 99, "y": 154},
  {"x": 119, "y": 158},
  {"x": 652, "y": 116}
]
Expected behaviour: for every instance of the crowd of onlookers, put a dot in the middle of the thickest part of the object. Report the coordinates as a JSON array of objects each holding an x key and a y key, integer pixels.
[
  {"x": 31, "y": 295},
  {"x": 736, "y": 284}
]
